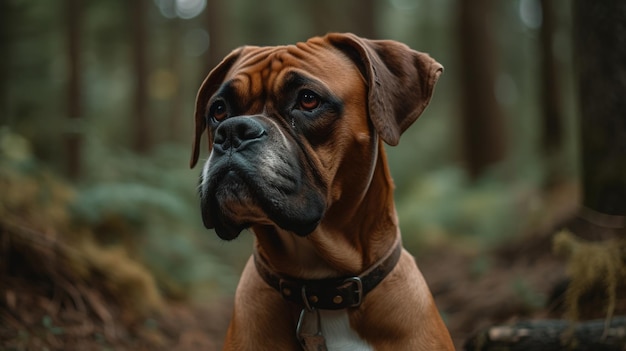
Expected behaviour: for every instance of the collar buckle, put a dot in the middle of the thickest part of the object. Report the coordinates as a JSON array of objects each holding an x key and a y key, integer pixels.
[{"x": 358, "y": 290}]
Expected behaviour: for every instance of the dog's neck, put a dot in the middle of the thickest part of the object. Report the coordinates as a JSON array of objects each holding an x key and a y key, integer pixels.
[{"x": 350, "y": 238}]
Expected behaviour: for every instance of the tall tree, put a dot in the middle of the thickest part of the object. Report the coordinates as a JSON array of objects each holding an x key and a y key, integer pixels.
[
  {"x": 364, "y": 18},
  {"x": 482, "y": 124},
  {"x": 330, "y": 16},
  {"x": 73, "y": 139},
  {"x": 175, "y": 66},
  {"x": 142, "y": 131},
  {"x": 552, "y": 109},
  {"x": 4, "y": 62},
  {"x": 259, "y": 17},
  {"x": 215, "y": 14},
  {"x": 550, "y": 87},
  {"x": 600, "y": 48}
]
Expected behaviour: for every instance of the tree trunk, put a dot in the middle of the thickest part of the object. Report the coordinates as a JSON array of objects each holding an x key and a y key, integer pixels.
[
  {"x": 356, "y": 16},
  {"x": 552, "y": 111},
  {"x": 73, "y": 138},
  {"x": 482, "y": 122},
  {"x": 364, "y": 18},
  {"x": 4, "y": 62},
  {"x": 259, "y": 16},
  {"x": 175, "y": 66},
  {"x": 142, "y": 131},
  {"x": 600, "y": 48},
  {"x": 215, "y": 14}
]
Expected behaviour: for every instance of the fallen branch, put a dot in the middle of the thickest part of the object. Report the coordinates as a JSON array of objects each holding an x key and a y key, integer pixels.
[{"x": 552, "y": 335}]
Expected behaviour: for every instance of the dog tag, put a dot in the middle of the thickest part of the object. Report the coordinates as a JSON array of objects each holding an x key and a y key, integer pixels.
[{"x": 309, "y": 331}]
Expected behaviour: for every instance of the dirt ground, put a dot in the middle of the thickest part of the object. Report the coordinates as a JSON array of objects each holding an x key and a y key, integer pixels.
[
  {"x": 469, "y": 296},
  {"x": 471, "y": 292},
  {"x": 46, "y": 306}
]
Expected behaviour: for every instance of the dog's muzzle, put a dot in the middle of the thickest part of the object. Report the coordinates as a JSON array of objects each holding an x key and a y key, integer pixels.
[{"x": 257, "y": 176}]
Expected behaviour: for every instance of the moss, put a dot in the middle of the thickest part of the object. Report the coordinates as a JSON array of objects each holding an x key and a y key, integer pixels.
[
  {"x": 42, "y": 245},
  {"x": 590, "y": 264}
]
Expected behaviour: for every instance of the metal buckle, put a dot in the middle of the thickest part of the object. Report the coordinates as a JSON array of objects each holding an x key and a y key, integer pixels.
[{"x": 359, "y": 290}]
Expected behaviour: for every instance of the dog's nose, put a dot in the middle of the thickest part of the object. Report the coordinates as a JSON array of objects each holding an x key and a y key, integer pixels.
[{"x": 237, "y": 133}]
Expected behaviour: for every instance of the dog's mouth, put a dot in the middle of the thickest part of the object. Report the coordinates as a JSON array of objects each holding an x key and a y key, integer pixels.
[
  {"x": 229, "y": 206},
  {"x": 258, "y": 188}
]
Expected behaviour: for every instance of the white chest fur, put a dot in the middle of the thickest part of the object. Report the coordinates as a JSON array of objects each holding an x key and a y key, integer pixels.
[{"x": 338, "y": 334}]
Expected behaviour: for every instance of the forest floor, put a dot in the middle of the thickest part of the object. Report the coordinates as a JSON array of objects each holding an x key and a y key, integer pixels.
[
  {"x": 512, "y": 287},
  {"x": 45, "y": 306}
]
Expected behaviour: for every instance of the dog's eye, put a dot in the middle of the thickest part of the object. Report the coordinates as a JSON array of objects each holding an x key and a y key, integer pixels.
[
  {"x": 218, "y": 110},
  {"x": 308, "y": 100}
]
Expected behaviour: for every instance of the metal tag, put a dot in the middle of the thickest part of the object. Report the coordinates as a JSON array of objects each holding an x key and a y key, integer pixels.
[{"x": 309, "y": 331}]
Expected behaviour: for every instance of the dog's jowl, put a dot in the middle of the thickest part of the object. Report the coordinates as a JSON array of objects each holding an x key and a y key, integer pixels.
[{"x": 296, "y": 154}]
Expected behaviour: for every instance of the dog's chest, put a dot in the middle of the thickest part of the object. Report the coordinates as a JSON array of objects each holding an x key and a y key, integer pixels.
[{"x": 338, "y": 334}]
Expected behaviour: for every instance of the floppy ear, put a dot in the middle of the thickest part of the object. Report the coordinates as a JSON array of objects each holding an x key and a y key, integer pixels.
[
  {"x": 400, "y": 81},
  {"x": 207, "y": 89}
]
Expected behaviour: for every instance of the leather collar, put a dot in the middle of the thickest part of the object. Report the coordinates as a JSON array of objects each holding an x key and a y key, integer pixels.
[{"x": 331, "y": 293}]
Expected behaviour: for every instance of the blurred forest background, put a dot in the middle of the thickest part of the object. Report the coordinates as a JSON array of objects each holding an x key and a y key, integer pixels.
[{"x": 99, "y": 215}]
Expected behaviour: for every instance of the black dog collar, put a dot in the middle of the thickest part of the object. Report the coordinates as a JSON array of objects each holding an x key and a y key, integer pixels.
[{"x": 332, "y": 293}]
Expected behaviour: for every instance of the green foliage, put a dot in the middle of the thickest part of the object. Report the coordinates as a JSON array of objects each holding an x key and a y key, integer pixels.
[
  {"x": 444, "y": 206},
  {"x": 531, "y": 299},
  {"x": 128, "y": 201}
]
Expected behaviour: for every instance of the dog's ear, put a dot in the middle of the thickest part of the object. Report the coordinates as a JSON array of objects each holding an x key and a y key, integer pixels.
[
  {"x": 207, "y": 89},
  {"x": 400, "y": 81}
]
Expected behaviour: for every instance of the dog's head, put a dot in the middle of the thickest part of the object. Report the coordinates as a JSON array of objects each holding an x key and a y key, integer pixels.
[{"x": 293, "y": 130}]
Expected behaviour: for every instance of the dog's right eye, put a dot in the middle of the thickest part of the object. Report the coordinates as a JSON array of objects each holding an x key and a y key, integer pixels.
[{"x": 218, "y": 111}]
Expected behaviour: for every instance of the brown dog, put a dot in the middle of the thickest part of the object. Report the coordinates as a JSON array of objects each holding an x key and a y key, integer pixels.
[{"x": 295, "y": 135}]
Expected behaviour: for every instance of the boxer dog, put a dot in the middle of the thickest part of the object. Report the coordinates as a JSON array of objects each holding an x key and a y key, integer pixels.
[{"x": 296, "y": 154}]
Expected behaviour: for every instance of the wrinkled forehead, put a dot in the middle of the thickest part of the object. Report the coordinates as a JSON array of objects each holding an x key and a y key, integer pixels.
[{"x": 270, "y": 68}]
